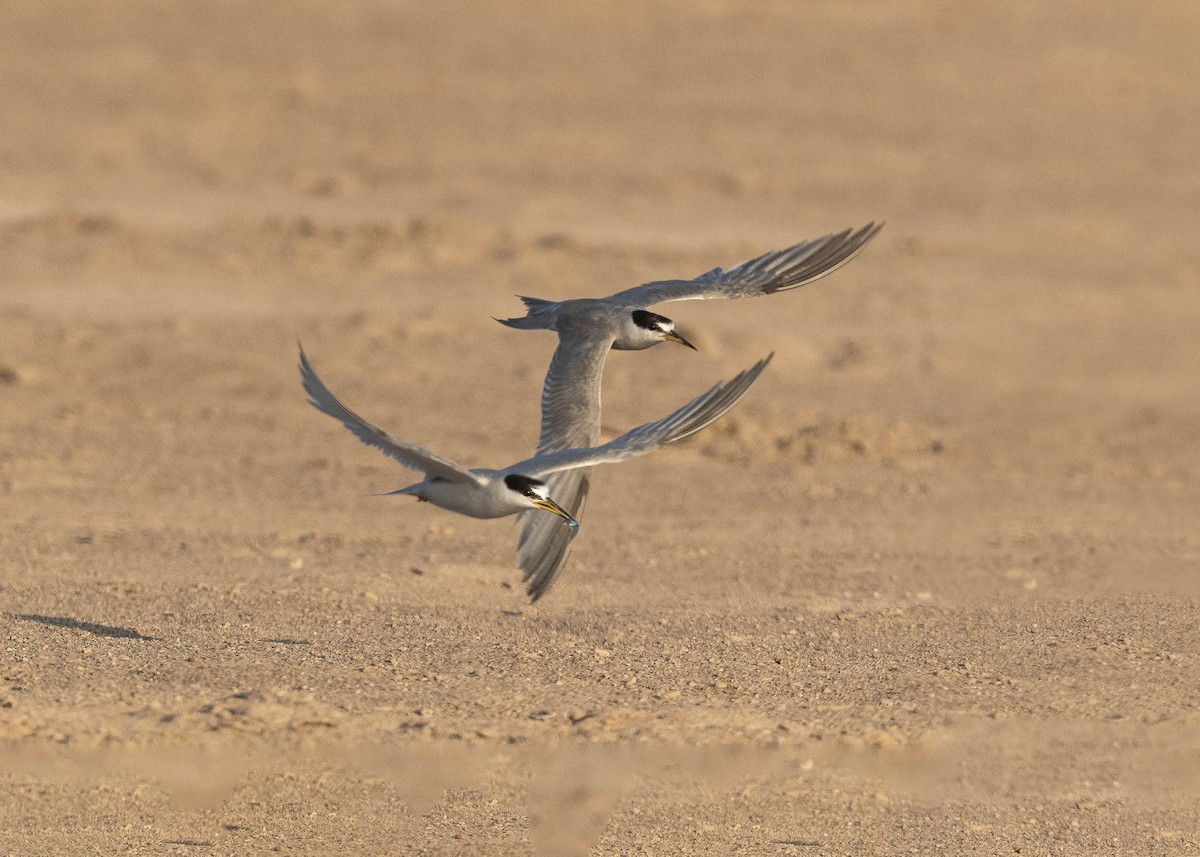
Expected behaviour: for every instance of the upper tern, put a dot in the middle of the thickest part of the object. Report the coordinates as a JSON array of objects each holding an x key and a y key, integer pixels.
[
  {"x": 521, "y": 487},
  {"x": 588, "y": 327}
]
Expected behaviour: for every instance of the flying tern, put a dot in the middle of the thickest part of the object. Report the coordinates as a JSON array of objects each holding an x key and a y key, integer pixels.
[
  {"x": 588, "y": 327},
  {"x": 522, "y": 487}
]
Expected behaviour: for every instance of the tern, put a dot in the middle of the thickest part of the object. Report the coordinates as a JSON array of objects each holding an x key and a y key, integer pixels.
[
  {"x": 521, "y": 487},
  {"x": 588, "y": 327}
]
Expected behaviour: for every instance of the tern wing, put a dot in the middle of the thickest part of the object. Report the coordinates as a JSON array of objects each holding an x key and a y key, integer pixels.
[
  {"x": 688, "y": 420},
  {"x": 570, "y": 419},
  {"x": 571, "y": 391},
  {"x": 545, "y": 540},
  {"x": 779, "y": 271},
  {"x": 411, "y": 455}
]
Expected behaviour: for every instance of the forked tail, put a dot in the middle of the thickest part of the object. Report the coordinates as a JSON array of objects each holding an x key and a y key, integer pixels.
[{"x": 539, "y": 315}]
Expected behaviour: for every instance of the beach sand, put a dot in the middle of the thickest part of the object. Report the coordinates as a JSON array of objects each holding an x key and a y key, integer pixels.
[{"x": 931, "y": 588}]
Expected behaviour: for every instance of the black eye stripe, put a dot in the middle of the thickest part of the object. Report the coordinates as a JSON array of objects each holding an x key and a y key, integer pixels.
[
  {"x": 652, "y": 321},
  {"x": 522, "y": 484}
]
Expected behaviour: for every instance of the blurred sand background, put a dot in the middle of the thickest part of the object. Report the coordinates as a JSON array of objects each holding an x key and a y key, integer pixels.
[{"x": 931, "y": 588}]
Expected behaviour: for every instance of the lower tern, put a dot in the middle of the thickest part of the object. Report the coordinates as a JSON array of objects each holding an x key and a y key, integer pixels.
[
  {"x": 522, "y": 487},
  {"x": 588, "y": 327}
]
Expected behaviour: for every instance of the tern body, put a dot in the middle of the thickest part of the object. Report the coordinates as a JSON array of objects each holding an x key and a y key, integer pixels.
[
  {"x": 487, "y": 496},
  {"x": 629, "y": 328},
  {"x": 588, "y": 328}
]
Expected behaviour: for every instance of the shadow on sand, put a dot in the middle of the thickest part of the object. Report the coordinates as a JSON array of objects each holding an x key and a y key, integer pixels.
[{"x": 89, "y": 627}]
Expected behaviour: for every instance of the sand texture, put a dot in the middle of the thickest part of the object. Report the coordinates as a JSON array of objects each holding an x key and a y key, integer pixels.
[{"x": 931, "y": 588}]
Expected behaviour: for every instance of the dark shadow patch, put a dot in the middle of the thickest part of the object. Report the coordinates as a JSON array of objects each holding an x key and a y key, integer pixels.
[
  {"x": 194, "y": 843},
  {"x": 287, "y": 641},
  {"x": 90, "y": 627}
]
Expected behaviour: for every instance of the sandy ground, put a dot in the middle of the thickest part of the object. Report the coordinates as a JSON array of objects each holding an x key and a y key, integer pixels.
[{"x": 931, "y": 588}]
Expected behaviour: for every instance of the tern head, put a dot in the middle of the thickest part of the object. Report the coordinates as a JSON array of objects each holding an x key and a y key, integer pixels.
[
  {"x": 531, "y": 493},
  {"x": 659, "y": 327}
]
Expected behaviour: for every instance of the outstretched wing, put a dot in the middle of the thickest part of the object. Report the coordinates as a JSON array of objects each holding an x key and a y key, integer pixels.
[
  {"x": 411, "y": 455},
  {"x": 779, "y": 271},
  {"x": 570, "y": 419},
  {"x": 688, "y": 420}
]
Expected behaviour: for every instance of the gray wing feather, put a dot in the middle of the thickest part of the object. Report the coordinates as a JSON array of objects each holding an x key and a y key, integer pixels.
[
  {"x": 686, "y": 421},
  {"x": 570, "y": 419},
  {"x": 411, "y": 455},
  {"x": 545, "y": 540},
  {"x": 571, "y": 392},
  {"x": 779, "y": 271}
]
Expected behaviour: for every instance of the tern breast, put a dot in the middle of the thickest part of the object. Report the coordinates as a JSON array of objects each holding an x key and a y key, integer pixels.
[{"x": 491, "y": 500}]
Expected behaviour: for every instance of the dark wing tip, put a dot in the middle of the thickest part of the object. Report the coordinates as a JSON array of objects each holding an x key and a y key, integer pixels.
[
  {"x": 555, "y": 546},
  {"x": 826, "y": 255},
  {"x": 306, "y": 369},
  {"x": 308, "y": 375}
]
